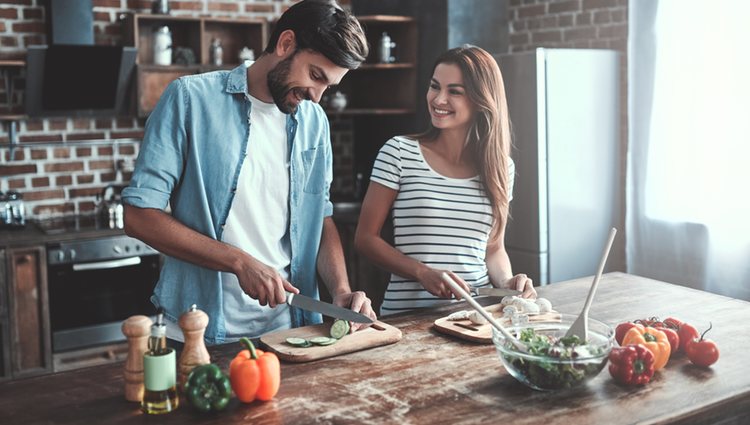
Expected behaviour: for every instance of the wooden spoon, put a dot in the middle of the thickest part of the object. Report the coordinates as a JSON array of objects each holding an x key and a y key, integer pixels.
[{"x": 581, "y": 326}]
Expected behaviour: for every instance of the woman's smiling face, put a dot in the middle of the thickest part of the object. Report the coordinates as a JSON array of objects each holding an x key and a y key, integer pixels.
[{"x": 447, "y": 101}]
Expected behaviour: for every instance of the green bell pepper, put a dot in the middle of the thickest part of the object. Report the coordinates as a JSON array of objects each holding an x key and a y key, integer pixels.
[{"x": 208, "y": 388}]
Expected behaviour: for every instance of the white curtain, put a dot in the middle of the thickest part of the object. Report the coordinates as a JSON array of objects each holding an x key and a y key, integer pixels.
[{"x": 688, "y": 219}]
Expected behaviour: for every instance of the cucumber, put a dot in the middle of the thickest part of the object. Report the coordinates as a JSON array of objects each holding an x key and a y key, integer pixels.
[
  {"x": 339, "y": 328},
  {"x": 323, "y": 340},
  {"x": 298, "y": 342}
]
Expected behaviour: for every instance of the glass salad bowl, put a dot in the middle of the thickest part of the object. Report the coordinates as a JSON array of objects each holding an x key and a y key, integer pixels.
[{"x": 553, "y": 362}]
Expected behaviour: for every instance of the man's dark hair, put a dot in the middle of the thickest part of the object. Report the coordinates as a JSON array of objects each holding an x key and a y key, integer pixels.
[{"x": 322, "y": 26}]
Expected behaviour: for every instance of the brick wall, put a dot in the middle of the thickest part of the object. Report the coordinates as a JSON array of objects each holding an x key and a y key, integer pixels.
[
  {"x": 587, "y": 24},
  {"x": 61, "y": 164}
]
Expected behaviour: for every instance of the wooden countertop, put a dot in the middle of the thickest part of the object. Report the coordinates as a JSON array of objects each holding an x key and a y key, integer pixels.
[{"x": 432, "y": 378}]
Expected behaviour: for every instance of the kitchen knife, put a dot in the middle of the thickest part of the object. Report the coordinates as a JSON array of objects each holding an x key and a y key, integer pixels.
[
  {"x": 311, "y": 304},
  {"x": 495, "y": 292}
]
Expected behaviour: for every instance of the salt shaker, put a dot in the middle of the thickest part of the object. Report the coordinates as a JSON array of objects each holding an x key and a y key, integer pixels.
[
  {"x": 136, "y": 330},
  {"x": 193, "y": 324}
]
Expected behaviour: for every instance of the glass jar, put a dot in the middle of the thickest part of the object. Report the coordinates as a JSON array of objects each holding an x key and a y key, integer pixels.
[{"x": 163, "y": 46}]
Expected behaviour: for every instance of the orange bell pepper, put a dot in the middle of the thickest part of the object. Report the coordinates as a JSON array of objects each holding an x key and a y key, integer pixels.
[
  {"x": 655, "y": 340},
  {"x": 254, "y": 374}
]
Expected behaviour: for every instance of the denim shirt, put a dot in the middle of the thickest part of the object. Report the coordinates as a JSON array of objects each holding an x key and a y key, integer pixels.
[{"x": 194, "y": 145}]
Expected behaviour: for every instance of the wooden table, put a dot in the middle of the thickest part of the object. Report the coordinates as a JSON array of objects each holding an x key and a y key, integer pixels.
[{"x": 432, "y": 378}]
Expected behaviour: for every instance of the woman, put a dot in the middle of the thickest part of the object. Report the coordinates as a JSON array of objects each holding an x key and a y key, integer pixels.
[{"x": 449, "y": 189}]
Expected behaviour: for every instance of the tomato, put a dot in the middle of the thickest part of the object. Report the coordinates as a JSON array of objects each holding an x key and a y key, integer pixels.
[
  {"x": 673, "y": 323},
  {"x": 687, "y": 334},
  {"x": 621, "y": 330},
  {"x": 672, "y": 336},
  {"x": 703, "y": 352}
]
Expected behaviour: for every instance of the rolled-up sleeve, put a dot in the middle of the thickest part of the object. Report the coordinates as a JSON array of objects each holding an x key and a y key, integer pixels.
[{"x": 161, "y": 158}]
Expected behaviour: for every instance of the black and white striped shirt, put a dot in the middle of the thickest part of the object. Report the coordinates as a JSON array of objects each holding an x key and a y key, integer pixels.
[{"x": 440, "y": 221}]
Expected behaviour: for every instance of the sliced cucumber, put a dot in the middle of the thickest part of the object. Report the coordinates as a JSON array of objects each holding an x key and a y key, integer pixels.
[
  {"x": 323, "y": 340},
  {"x": 339, "y": 328},
  {"x": 298, "y": 342}
]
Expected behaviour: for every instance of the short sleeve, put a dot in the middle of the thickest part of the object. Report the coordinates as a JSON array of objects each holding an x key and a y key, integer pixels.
[{"x": 387, "y": 167}]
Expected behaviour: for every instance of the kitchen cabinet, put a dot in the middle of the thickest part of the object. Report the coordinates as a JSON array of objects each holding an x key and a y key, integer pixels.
[
  {"x": 30, "y": 345},
  {"x": 377, "y": 88},
  {"x": 193, "y": 33}
]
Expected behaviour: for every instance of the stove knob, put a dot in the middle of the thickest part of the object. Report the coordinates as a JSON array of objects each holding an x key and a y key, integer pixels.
[
  {"x": 72, "y": 254},
  {"x": 60, "y": 256}
]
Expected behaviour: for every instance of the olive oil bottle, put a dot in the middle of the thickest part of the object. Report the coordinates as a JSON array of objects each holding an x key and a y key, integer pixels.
[{"x": 159, "y": 372}]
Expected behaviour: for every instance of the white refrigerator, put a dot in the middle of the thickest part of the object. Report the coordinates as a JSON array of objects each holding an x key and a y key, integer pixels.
[{"x": 564, "y": 109}]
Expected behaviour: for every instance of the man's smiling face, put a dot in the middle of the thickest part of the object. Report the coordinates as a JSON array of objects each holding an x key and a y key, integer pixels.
[{"x": 303, "y": 75}]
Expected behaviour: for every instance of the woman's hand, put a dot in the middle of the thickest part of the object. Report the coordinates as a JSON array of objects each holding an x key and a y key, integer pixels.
[
  {"x": 523, "y": 283},
  {"x": 432, "y": 281},
  {"x": 356, "y": 301}
]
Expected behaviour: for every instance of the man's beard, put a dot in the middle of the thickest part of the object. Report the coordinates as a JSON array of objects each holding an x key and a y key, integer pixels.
[{"x": 279, "y": 87}]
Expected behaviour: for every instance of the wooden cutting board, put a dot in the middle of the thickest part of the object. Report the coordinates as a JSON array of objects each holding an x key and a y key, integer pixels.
[
  {"x": 469, "y": 331},
  {"x": 376, "y": 335}
]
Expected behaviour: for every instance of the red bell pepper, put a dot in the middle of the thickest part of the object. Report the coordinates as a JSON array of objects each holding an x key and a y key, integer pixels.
[
  {"x": 632, "y": 364},
  {"x": 621, "y": 330}
]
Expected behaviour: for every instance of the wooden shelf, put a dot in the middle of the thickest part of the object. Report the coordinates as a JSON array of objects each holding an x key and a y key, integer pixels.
[
  {"x": 384, "y": 88},
  {"x": 13, "y": 117},
  {"x": 195, "y": 33},
  {"x": 12, "y": 63}
]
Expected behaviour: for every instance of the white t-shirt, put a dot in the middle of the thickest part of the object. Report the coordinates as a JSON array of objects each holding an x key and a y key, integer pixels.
[
  {"x": 258, "y": 223},
  {"x": 440, "y": 221}
]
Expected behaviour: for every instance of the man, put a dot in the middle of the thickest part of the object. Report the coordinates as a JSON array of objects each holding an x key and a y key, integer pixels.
[{"x": 243, "y": 158}]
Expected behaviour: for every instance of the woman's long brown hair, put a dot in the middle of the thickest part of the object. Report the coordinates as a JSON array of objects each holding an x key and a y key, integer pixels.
[{"x": 489, "y": 135}]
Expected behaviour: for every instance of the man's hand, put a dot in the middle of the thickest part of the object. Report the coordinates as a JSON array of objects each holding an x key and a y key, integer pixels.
[
  {"x": 264, "y": 283},
  {"x": 356, "y": 301}
]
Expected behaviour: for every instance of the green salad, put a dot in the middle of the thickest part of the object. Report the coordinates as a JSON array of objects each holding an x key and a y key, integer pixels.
[{"x": 565, "y": 363}]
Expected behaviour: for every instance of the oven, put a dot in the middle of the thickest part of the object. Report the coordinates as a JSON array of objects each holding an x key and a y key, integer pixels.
[{"x": 94, "y": 285}]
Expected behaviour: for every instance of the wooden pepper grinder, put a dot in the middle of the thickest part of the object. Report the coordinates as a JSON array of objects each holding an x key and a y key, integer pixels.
[
  {"x": 193, "y": 324},
  {"x": 136, "y": 329}
]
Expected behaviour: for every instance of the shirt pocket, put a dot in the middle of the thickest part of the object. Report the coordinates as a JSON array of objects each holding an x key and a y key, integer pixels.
[{"x": 314, "y": 170}]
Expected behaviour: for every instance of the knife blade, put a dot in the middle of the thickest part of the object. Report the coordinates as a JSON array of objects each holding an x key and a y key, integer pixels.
[
  {"x": 495, "y": 292},
  {"x": 311, "y": 304}
]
